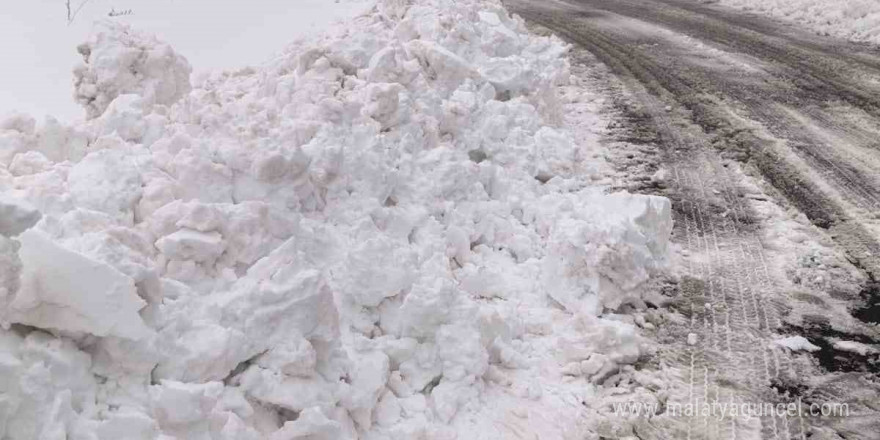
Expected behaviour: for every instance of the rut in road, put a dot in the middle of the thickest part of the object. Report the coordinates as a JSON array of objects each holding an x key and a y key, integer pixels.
[
  {"x": 728, "y": 297},
  {"x": 838, "y": 192},
  {"x": 734, "y": 302}
]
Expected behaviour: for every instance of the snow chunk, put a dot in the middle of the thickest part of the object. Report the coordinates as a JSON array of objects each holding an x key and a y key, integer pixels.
[
  {"x": 312, "y": 424},
  {"x": 375, "y": 270},
  {"x": 43, "y": 381},
  {"x": 20, "y": 122},
  {"x": 187, "y": 244},
  {"x": 191, "y": 410},
  {"x": 64, "y": 290},
  {"x": 603, "y": 249},
  {"x": 177, "y": 404},
  {"x": 119, "y": 60},
  {"x": 439, "y": 64},
  {"x": 107, "y": 181},
  {"x": 16, "y": 216},
  {"x": 854, "y": 347},
  {"x": 279, "y": 298},
  {"x": 796, "y": 343}
]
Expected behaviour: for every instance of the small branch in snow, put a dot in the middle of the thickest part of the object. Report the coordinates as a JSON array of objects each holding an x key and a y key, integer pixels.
[
  {"x": 114, "y": 13},
  {"x": 71, "y": 13}
]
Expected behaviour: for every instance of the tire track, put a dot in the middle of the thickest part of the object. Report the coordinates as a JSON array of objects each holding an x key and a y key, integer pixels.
[
  {"x": 803, "y": 78},
  {"x": 730, "y": 296}
]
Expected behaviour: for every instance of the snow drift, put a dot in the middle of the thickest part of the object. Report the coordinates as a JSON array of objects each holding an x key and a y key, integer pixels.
[
  {"x": 857, "y": 20},
  {"x": 369, "y": 236}
]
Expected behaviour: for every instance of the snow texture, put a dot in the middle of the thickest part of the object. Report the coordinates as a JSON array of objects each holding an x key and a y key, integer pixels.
[
  {"x": 16, "y": 216},
  {"x": 64, "y": 290},
  {"x": 119, "y": 60},
  {"x": 796, "y": 343},
  {"x": 857, "y": 20},
  {"x": 384, "y": 232},
  {"x": 855, "y": 347}
]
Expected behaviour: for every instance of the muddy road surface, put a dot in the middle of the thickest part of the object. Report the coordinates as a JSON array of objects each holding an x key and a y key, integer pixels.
[{"x": 795, "y": 113}]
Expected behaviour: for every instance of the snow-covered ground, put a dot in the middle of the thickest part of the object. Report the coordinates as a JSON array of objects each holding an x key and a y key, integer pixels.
[
  {"x": 386, "y": 231},
  {"x": 857, "y": 20},
  {"x": 36, "y": 39}
]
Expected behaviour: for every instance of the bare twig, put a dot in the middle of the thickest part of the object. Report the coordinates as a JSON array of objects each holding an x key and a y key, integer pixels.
[
  {"x": 114, "y": 13},
  {"x": 71, "y": 13}
]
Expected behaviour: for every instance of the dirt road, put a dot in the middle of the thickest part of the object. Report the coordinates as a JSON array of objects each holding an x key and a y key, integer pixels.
[{"x": 732, "y": 101}]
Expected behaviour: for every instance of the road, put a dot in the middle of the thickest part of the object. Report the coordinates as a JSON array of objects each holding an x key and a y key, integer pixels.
[{"x": 799, "y": 114}]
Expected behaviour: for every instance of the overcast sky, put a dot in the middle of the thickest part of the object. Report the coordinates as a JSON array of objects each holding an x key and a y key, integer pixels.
[{"x": 38, "y": 48}]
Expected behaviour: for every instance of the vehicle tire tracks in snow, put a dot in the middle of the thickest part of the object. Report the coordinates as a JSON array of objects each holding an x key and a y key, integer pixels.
[
  {"x": 830, "y": 189},
  {"x": 780, "y": 125}
]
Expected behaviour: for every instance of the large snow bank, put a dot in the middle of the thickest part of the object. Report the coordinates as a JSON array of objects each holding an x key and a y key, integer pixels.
[
  {"x": 857, "y": 20},
  {"x": 381, "y": 233}
]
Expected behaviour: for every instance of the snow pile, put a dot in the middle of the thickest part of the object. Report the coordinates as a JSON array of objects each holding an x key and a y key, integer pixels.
[
  {"x": 118, "y": 61},
  {"x": 857, "y": 20},
  {"x": 378, "y": 234}
]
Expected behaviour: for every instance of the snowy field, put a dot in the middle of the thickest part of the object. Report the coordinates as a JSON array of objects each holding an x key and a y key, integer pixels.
[
  {"x": 387, "y": 230},
  {"x": 857, "y": 20},
  {"x": 36, "y": 39}
]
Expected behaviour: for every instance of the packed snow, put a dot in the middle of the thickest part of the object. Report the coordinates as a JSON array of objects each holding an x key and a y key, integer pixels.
[
  {"x": 796, "y": 343},
  {"x": 855, "y": 347},
  {"x": 857, "y": 20},
  {"x": 384, "y": 232}
]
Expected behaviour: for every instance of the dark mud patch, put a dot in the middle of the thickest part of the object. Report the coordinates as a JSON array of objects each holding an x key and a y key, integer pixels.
[
  {"x": 693, "y": 287},
  {"x": 821, "y": 334},
  {"x": 789, "y": 388},
  {"x": 690, "y": 297},
  {"x": 869, "y": 312}
]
